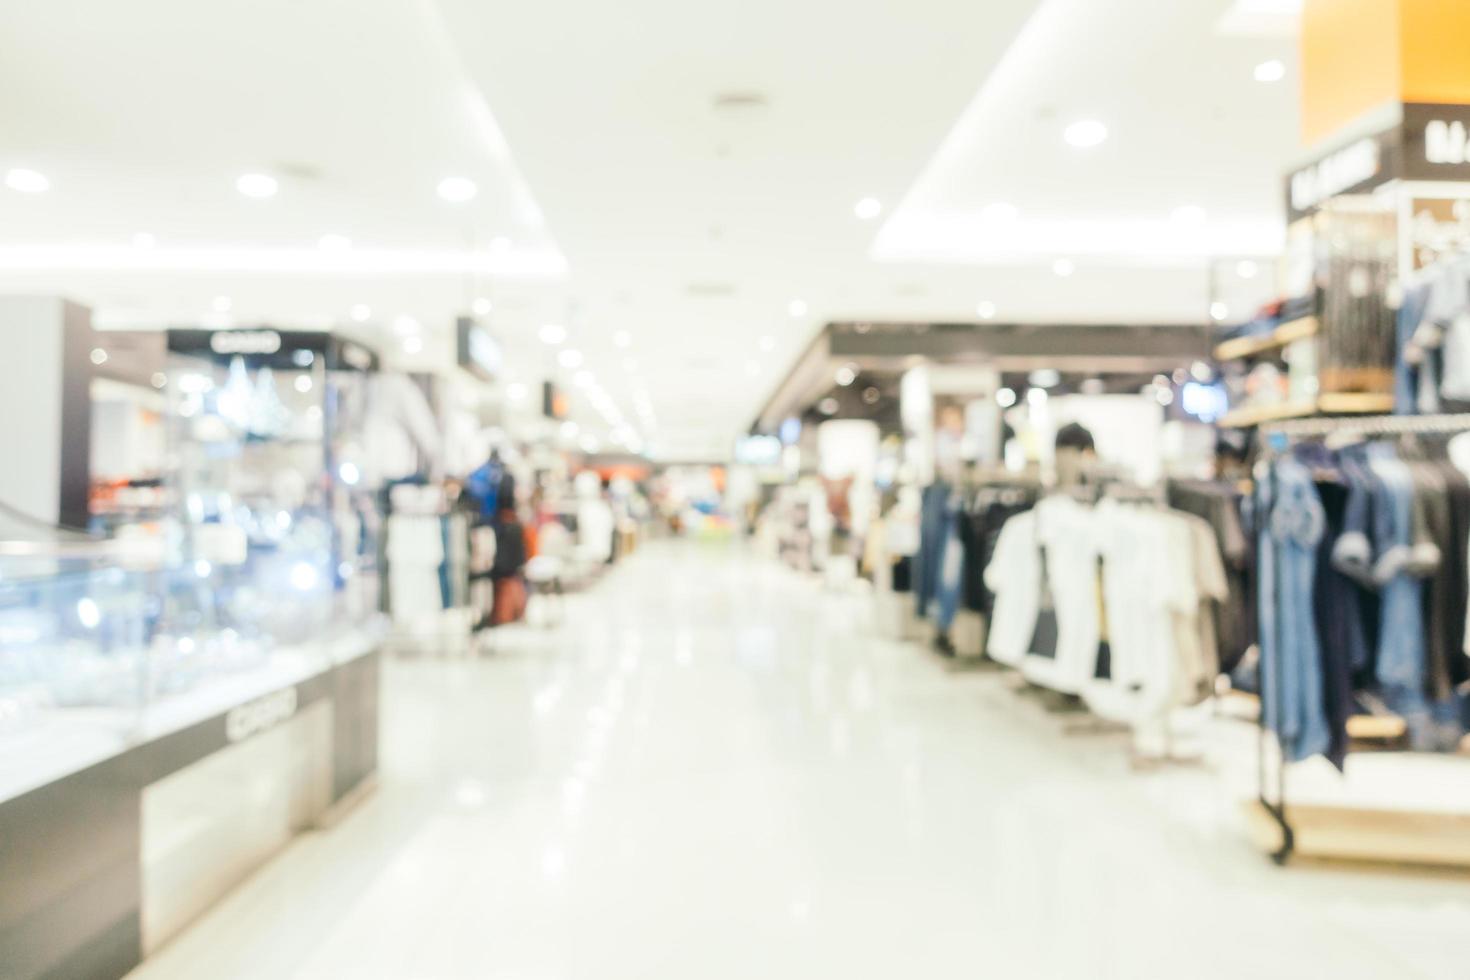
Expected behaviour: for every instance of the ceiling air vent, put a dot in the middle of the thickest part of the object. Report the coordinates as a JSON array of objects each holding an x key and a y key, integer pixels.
[{"x": 740, "y": 105}]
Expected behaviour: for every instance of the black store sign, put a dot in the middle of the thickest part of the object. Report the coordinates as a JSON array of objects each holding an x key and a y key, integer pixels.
[
  {"x": 1430, "y": 143},
  {"x": 276, "y": 349}
]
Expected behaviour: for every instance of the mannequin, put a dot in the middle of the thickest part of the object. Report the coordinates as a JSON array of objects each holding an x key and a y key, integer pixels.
[{"x": 1076, "y": 455}]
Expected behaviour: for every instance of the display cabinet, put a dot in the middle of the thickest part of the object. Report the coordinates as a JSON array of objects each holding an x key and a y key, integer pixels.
[
  {"x": 178, "y": 700},
  {"x": 267, "y": 436}
]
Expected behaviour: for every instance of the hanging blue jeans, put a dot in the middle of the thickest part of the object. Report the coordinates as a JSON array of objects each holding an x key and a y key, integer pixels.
[
  {"x": 951, "y": 566},
  {"x": 933, "y": 513},
  {"x": 1291, "y": 658},
  {"x": 1401, "y": 668}
]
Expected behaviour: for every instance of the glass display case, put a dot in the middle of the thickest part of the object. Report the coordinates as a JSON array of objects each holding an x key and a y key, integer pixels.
[
  {"x": 263, "y": 573},
  {"x": 266, "y": 437},
  {"x": 74, "y": 624}
]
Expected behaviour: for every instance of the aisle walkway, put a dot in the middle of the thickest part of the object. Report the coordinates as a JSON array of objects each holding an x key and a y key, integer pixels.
[{"x": 716, "y": 770}]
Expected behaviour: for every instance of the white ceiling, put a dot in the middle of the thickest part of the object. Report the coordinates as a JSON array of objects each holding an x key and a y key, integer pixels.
[{"x": 614, "y": 196}]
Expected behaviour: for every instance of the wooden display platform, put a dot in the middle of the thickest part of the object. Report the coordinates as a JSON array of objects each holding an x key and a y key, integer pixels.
[
  {"x": 1360, "y": 728},
  {"x": 1333, "y": 833},
  {"x": 1241, "y": 348}
]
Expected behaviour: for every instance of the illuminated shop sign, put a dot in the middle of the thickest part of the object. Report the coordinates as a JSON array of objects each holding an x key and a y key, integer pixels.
[
  {"x": 245, "y": 342},
  {"x": 1350, "y": 167}
]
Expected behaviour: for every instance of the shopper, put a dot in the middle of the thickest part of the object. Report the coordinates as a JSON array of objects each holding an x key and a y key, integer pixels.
[{"x": 508, "y": 571}]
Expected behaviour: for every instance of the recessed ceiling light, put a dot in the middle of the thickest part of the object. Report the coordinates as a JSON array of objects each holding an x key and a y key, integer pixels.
[
  {"x": 457, "y": 190},
  {"x": 1219, "y": 312},
  {"x": 1270, "y": 71},
  {"x": 868, "y": 208},
  {"x": 259, "y": 186},
  {"x": 623, "y": 338},
  {"x": 221, "y": 304},
  {"x": 1246, "y": 269},
  {"x": 552, "y": 333},
  {"x": 846, "y": 375},
  {"x": 482, "y": 306},
  {"x": 144, "y": 240},
  {"x": 303, "y": 383},
  {"x": 1064, "y": 267},
  {"x": 999, "y": 213},
  {"x": 1188, "y": 214},
  {"x": 413, "y": 345},
  {"x": 405, "y": 325},
  {"x": 334, "y": 243},
  {"x": 99, "y": 356},
  {"x": 360, "y": 312},
  {"x": 828, "y": 406},
  {"x": 986, "y": 310},
  {"x": 1006, "y": 397},
  {"x": 768, "y": 343},
  {"x": 26, "y": 181},
  {"x": 796, "y": 307},
  {"x": 570, "y": 358},
  {"x": 1085, "y": 133}
]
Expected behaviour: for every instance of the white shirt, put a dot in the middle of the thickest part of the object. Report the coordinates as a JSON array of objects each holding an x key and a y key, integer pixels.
[
  {"x": 1160, "y": 567},
  {"x": 1014, "y": 576},
  {"x": 1068, "y": 532}
]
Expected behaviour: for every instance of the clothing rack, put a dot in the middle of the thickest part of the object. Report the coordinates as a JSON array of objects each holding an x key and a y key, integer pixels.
[
  {"x": 1284, "y": 433},
  {"x": 1367, "y": 425}
]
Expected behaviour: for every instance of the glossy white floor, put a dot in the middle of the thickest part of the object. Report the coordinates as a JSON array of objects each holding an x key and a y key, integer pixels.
[{"x": 716, "y": 770}]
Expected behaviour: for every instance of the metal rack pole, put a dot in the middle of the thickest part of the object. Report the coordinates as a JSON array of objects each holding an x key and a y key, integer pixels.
[{"x": 1271, "y": 686}]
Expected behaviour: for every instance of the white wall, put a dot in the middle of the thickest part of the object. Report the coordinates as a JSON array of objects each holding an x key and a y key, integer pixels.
[{"x": 32, "y": 339}]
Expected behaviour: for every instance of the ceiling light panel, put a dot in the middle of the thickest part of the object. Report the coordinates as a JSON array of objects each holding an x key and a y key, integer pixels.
[
  {"x": 406, "y": 72},
  {"x": 1085, "y": 134},
  {"x": 1270, "y": 71},
  {"x": 457, "y": 190},
  {"x": 26, "y": 181},
  {"x": 1105, "y": 198},
  {"x": 258, "y": 186}
]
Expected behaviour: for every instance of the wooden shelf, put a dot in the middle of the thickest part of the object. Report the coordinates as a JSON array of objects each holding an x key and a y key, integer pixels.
[
  {"x": 1376, "y": 728},
  {"x": 1330, "y": 404},
  {"x": 1244, "y": 347}
]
